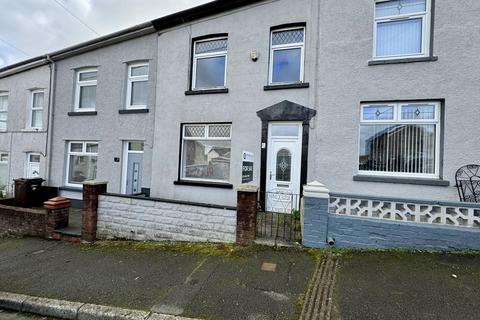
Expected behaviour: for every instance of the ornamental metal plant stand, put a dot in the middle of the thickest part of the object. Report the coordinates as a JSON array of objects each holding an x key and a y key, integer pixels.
[{"x": 468, "y": 183}]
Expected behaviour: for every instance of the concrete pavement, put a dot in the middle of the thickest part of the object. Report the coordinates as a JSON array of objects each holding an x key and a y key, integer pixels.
[
  {"x": 401, "y": 285},
  {"x": 233, "y": 284}
]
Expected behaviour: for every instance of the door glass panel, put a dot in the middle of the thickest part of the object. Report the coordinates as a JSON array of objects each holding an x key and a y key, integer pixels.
[
  {"x": 284, "y": 165},
  {"x": 285, "y": 131}
]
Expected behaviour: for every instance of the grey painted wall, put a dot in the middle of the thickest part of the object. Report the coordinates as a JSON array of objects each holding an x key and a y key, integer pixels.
[
  {"x": 248, "y": 28},
  {"x": 18, "y": 140},
  {"x": 345, "y": 79},
  {"x": 108, "y": 127}
]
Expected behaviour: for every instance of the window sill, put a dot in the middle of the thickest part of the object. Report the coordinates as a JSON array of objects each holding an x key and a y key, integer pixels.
[
  {"x": 401, "y": 60},
  {"x": 400, "y": 180},
  {"x": 82, "y": 113},
  {"x": 133, "y": 111},
  {"x": 206, "y": 91},
  {"x": 33, "y": 130},
  {"x": 220, "y": 185},
  {"x": 286, "y": 86}
]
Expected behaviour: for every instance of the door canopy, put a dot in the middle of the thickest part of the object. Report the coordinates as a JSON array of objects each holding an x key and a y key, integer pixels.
[{"x": 287, "y": 111}]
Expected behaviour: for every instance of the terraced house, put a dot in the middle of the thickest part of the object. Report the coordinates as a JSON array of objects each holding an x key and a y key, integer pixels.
[{"x": 369, "y": 97}]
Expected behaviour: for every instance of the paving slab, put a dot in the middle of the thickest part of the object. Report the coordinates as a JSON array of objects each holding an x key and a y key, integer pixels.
[
  {"x": 188, "y": 284},
  {"x": 383, "y": 285}
]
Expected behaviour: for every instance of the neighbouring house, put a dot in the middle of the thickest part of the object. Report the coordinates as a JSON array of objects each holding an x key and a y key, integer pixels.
[
  {"x": 24, "y": 123},
  {"x": 368, "y": 97}
]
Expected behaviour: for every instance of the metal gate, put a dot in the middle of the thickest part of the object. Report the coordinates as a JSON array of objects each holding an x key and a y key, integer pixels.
[{"x": 278, "y": 217}]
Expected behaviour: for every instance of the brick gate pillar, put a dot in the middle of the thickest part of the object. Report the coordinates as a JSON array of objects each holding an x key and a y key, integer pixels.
[
  {"x": 247, "y": 199},
  {"x": 91, "y": 190},
  {"x": 58, "y": 210}
]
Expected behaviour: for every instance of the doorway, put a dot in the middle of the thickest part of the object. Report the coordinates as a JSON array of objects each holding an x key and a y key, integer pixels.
[
  {"x": 132, "y": 167},
  {"x": 284, "y": 161}
]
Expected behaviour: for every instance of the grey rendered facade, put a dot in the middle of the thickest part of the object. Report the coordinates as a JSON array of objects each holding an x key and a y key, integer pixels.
[
  {"x": 337, "y": 80},
  {"x": 107, "y": 125},
  {"x": 20, "y": 140}
]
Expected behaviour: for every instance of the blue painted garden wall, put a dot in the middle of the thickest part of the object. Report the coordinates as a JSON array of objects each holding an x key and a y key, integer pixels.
[{"x": 368, "y": 233}]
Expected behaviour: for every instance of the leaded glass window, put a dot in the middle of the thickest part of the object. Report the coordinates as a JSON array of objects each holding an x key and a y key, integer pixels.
[
  {"x": 401, "y": 28},
  {"x": 206, "y": 152},
  {"x": 209, "y": 63},
  {"x": 402, "y": 140},
  {"x": 284, "y": 165},
  {"x": 287, "y": 55}
]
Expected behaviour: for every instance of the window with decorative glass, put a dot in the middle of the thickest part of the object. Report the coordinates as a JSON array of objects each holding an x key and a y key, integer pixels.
[
  {"x": 400, "y": 139},
  {"x": 86, "y": 90},
  {"x": 35, "y": 115},
  {"x": 209, "y": 63},
  {"x": 402, "y": 29},
  {"x": 206, "y": 152},
  {"x": 137, "y": 86},
  {"x": 81, "y": 162},
  {"x": 3, "y": 111},
  {"x": 287, "y": 55}
]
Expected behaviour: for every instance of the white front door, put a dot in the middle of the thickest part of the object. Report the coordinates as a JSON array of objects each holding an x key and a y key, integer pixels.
[
  {"x": 283, "y": 166},
  {"x": 32, "y": 168}
]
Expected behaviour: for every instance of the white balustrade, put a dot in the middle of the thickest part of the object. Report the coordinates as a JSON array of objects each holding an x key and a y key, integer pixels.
[{"x": 448, "y": 214}]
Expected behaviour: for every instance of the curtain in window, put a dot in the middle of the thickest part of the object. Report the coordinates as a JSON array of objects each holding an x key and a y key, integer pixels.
[
  {"x": 139, "y": 93},
  {"x": 399, "y": 37},
  {"x": 88, "y": 95},
  {"x": 408, "y": 148}
]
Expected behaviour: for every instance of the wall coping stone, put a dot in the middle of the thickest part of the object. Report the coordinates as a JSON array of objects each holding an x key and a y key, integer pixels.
[
  {"x": 316, "y": 189},
  {"x": 405, "y": 200},
  {"x": 247, "y": 188},
  {"x": 94, "y": 182},
  {"x": 188, "y": 203}
]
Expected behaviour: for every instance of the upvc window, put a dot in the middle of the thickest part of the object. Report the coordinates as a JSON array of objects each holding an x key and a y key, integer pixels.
[
  {"x": 3, "y": 172},
  {"x": 81, "y": 162},
  {"x": 3, "y": 111},
  {"x": 287, "y": 56},
  {"x": 86, "y": 90},
  {"x": 400, "y": 139},
  {"x": 209, "y": 63},
  {"x": 137, "y": 86},
  {"x": 35, "y": 114},
  {"x": 206, "y": 152},
  {"x": 402, "y": 29}
]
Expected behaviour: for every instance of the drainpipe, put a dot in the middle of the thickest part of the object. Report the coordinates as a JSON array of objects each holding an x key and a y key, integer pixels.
[{"x": 48, "y": 140}]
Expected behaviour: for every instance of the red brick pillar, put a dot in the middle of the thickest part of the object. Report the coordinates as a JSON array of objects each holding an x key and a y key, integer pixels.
[
  {"x": 247, "y": 197},
  {"x": 58, "y": 209},
  {"x": 91, "y": 190}
]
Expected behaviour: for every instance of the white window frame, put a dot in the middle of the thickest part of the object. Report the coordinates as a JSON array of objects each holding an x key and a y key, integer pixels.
[
  {"x": 31, "y": 109},
  {"x": 5, "y": 94},
  {"x": 426, "y": 26},
  {"x": 131, "y": 79},
  {"x": 397, "y": 119},
  {"x": 83, "y": 153},
  {"x": 80, "y": 84},
  {"x": 27, "y": 164},
  {"x": 205, "y": 137},
  {"x": 200, "y": 56},
  {"x": 298, "y": 45}
]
